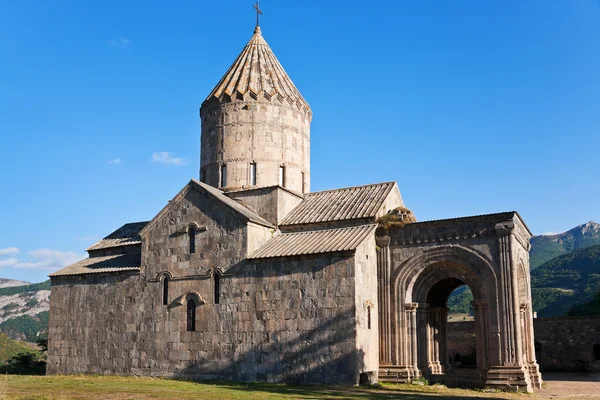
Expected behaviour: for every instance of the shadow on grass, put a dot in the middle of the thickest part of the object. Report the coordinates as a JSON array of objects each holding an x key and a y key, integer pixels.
[{"x": 345, "y": 392}]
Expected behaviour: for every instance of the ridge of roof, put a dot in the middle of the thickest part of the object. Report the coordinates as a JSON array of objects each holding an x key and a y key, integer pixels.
[
  {"x": 127, "y": 234},
  {"x": 351, "y": 187},
  {"x": 351, "y": 203},
  {"x": 97, "y": 265},
  {"x": 249, "y": 189},
  {"x": 314, "y": 242},
  {"x": 217, "y": 194},
  {"x": 498, "y": 214},
  {"x": 240, "y": 208}
]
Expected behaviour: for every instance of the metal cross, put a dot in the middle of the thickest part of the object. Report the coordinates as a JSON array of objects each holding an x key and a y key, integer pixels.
[{"x": 258, "y": 12}]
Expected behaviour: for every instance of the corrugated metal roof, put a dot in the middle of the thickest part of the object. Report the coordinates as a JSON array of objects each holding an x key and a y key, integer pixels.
[
  {"x": 314, "y": 242},
  {"x": 126, "y": 235},
  {"x": 340, "y": 204},
  {"x": 96, "y": 265},
  {"x": 257, "y": 70}
]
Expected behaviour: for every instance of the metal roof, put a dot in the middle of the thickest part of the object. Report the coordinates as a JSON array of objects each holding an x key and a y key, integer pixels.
[
  {"x": 128, "y": 234},
  {"x": 97, "y": 265},
  {"x": 340, "y": 204},
  {"x": 314, "y": 242}
]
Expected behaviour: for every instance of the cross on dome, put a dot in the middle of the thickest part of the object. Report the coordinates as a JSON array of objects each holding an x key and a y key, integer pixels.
[{"x": 258, "y": 11}]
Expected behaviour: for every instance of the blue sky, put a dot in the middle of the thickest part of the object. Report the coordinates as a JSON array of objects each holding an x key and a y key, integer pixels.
[{"x": 472, "y": 106}]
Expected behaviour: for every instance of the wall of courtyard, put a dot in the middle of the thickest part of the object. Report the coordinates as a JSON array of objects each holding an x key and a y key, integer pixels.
[{"x": 562, "y": 343}]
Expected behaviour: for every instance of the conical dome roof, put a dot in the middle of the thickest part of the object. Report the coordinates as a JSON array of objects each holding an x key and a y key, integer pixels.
[{"x": 257, "y": 72}]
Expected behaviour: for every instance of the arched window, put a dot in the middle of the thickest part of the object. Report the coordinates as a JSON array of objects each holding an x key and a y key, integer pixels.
[
  {"x": 253, "y": 174},
  {"x": 192, "y": 237},
  {"x": 166, "y": 290},
  {"x": 217, "y": 279},
  {"x": 191, "y": 315},
  {"x": 282, "y": 176},
  {"x": 223, "y": 181},
  {"x": 597, "y": 351}
]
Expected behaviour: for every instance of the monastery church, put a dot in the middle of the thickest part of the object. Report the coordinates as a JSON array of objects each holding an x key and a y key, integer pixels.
[{"x": 247, "y": 275}]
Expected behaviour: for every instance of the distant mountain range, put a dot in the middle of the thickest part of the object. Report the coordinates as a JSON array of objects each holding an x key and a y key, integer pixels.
[
  {"x": 567, "y": 280},
  {"x": 24, "y": 308},
  {"x": 546, "y": 247},
  {"x": 565, "y": 273}
]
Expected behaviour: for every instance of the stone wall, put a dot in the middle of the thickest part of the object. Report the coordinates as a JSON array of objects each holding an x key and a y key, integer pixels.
[
  {"x": 567, "y": 343},
  {"x": 561, "y": 343},
  {"x": 367, "y": 307},
  {"x": 461, "y": 338},
  {"x": 284, "y": 320}
]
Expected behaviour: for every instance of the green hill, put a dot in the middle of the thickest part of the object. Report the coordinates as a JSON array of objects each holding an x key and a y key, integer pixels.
[
  {"x": 565, "y": 281},
  {"x": 570, "y": 273},
  {"x": 24, "y": 309},
  {"x": 10, "y": 348},
  {"x": 590, "y": 308},
  {"x": 546, "y": 247}
]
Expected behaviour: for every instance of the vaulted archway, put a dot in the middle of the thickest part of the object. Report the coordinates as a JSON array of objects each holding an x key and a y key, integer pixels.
[{"x": 420, "y": 265}]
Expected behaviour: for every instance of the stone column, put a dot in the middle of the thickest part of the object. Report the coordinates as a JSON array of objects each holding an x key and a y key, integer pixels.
[
  {"x": 435, "y": 339},
  {"x": 422, "y": 336},
  {"x": 481, "y": 334},
  {"x": 384, "y": 296},
  {"x": 411, "y": 339},
  {"x": 510, "y": 372},
  {"x": 532, "y": 365}
]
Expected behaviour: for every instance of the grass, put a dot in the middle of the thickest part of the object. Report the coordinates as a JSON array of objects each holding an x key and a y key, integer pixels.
[{"x": 112, "y": 388}]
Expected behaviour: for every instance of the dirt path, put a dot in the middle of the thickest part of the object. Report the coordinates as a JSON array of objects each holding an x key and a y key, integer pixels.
[{"x": 574, "y": 386}]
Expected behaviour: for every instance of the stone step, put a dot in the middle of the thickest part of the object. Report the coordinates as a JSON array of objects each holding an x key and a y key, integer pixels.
[{"x": 392, "y": 374}]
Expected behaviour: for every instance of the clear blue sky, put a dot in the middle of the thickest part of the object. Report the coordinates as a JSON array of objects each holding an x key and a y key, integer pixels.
[{"x": 472, "y": 106}]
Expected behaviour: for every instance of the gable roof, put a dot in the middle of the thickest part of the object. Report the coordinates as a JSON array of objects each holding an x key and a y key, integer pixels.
[
  {"x": 218, "y": 195},
  {"x": 314, "y": 242},
  {"x": 340, "y": 204},
  {"x": 97, "y": 265},
  {"x": 126, "y": 235}
]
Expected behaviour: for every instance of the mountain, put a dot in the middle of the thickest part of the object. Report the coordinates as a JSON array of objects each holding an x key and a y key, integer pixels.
[
  {"x": 563, "y": 282},
  {"x": 24, "y": 308},
  {"x": 546, "y": 247},
  {"x": 11, "y": 283},
  {"x": 566, "y": 280}
]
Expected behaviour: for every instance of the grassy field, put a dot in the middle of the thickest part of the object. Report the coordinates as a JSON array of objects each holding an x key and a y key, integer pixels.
[{"x": 112, "y": 388}]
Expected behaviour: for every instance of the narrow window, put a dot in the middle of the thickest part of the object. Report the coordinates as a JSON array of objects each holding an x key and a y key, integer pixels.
[
  {"x": 597, "y": 351},
  {"x": 223, "y": 175},
  {"x": 217, "y": 278},
  {"x": 191, "y": 315},
  {"x": 203, "y": 175},
  {"x": 369, "y": 317},
  {"x": 192, "y": 237},
  {"x": 253, "y": 174},
  {"x": 282, "y": 176},
  {"x": 165, "y": 290},
  {"x": 303, "y": 184}
]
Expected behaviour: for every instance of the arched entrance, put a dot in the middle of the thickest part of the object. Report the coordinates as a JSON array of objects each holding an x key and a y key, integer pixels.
[
  {"x": 431, "y": 288},
  {"x": 420, "y": 264},
  {"x": 421, "y": 287}
]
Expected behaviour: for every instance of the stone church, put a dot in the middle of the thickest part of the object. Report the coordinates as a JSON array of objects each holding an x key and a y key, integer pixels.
[{"x": 247, "y": 275}]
